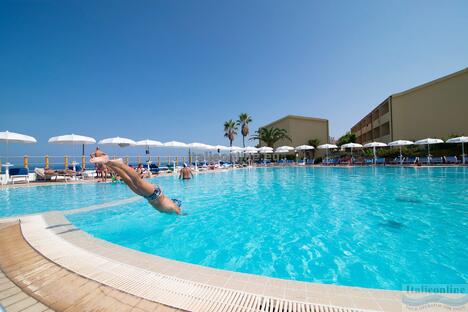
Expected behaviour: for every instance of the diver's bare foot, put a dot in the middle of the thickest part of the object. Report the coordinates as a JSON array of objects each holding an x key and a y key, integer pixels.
[{"x": 99, "y": 160}]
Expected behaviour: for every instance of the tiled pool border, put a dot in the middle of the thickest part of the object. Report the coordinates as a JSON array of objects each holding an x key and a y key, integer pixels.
[{"x": 141, "y": 274}]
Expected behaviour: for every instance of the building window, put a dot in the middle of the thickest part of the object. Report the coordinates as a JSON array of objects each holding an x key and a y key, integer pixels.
[
  {"x": 385, "y": 129},
  {"x": 375, "y": 115},
  {"x": 384, "y": 109},
  {"x": 376, "y": 133}
]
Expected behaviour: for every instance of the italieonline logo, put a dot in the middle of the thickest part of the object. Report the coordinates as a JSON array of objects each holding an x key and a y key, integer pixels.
[{"x": 435, "y": 297}]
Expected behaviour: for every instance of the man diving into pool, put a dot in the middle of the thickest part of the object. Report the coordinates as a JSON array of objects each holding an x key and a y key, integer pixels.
[{"x": 152, "y": 193}]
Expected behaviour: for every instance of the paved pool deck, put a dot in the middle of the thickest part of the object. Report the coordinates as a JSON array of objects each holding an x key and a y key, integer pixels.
[{"x": 30, "y": 282}]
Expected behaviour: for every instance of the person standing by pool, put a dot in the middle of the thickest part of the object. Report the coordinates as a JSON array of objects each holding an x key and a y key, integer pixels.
[
  {"x": 185, "y": 173},
  {"x": 140, "y": 170},
  {"x": 101, "y": 169},
  {"x": 152, "y": 193}
]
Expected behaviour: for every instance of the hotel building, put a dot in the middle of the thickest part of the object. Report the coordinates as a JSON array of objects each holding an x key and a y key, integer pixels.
[
  {"x": 301, "y": 129},
  {"x": 435, "y": 109}
]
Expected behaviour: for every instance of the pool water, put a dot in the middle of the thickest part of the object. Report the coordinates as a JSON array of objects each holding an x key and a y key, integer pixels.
[
  {"x": 369, "y": 227},
  {"x": 27, "y": 200}
]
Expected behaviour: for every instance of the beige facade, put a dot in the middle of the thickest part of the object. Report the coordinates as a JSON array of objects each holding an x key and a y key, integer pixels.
[
  {"x": 301, "y": 129},
  {"x": 436, "y": 109}
]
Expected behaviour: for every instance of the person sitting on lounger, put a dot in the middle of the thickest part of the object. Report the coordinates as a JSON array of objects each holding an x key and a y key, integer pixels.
[
  {"x": 152, "y": 193},
  {"x": 185, "y": 173}
]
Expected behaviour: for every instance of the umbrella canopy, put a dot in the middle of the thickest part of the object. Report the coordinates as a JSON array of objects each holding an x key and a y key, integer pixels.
[
  {"x": 175, "y": 144},
  {"x": 122, "y": 142},
  {"x": 304, "y": 147},
  {"x": 462, "y": 140},
  {"x": 375, "y": 144},
  {"x": 428, "y": 141},
  {"x": 149, "y": 143},
  {"x": 236, "y": 149},
  {"x": 12, "y": 137},
  {"x": 199, "y": 146},
  {"x": 250, "y": 149},
  {"x": 285, "y": 147},
  {"x": 210, "y": 147},
  {"x": 280, "y": 150},
  {"x": 72, "y": 139},
  {"x": 400, "y": 143},
  {"x": 327, "y": 146},
  {"x": 220, "y": 148},
  {"x": 351, "y": 145},
  {"x": 265, "y": 150}
]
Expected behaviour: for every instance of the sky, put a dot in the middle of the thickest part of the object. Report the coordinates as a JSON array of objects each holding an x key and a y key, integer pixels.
[{"x": 176, "y": 70}]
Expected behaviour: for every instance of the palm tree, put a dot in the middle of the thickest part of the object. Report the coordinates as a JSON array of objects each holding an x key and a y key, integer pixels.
[
  {"x": 270, "y": 135},
  {"x": 230, "y": 130},
  {"x": 243, "y": 122}
]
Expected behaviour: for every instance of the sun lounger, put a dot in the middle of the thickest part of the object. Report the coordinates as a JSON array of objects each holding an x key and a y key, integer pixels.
[
  {"x": 423, "y": 160},
  {"x": 78, "y": 171},
  {"x": 409, "y": 160},
  {"x": 331, "y": 161},
  {"x": 19, "y": 174},
  {"x": 263, "y": 162},
  {"x": 380, "y": 161},
  {"x": 437, "y": 160},
  {"x": 342, "y": 161},
  {"x": 154, "y": 169},
  {"x": 310, "y": 161},
  {"x": 42, "y": 175},
  {"x": 368, "y": 161},
  {"x": 396, "y": 160},
  {"x": 451, "y": 159},
  {"x": 89, "y": 174}
]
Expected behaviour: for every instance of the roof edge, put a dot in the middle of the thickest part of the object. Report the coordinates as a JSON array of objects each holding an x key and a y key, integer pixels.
[
  {"x": 432, "y": 82},
  {"x": 295, "y": 117}
]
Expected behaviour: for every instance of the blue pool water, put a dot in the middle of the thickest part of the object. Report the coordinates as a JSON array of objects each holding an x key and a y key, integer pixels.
[
  {"x": 27, "y": 200},
  {"x": 369, "y": 227}
]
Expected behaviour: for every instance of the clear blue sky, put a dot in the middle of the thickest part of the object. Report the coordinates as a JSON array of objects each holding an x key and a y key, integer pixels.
[{"x": 176, "y": 70}]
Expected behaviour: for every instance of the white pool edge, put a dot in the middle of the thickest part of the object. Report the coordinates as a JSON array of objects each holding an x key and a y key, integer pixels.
[{"x": 183, "y": 285}]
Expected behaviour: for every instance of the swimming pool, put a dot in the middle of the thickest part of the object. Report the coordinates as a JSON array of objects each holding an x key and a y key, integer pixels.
[
  {"x": 27, "y": 200},
  {"x": 369, "y": 227}
]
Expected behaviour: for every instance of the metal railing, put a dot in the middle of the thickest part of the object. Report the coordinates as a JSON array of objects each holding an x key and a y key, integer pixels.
[{"x": 67, "y": 161}]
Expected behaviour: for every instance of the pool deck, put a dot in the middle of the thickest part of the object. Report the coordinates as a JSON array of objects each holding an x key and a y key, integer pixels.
[
  {"x": 46, "y": 256},
  {"x": 30, "y": 282}
]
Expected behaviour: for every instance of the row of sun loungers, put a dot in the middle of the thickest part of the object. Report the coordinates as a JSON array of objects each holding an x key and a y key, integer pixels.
[
  {"x": 395, "y": 161},
  {"x": 22, "y": 174}
]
